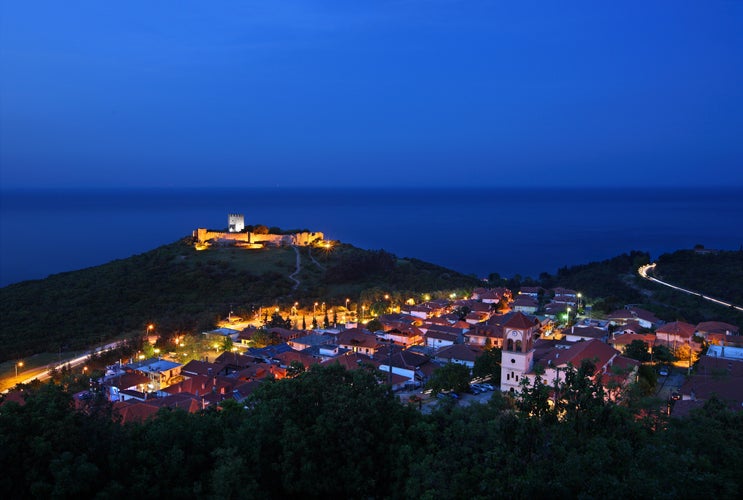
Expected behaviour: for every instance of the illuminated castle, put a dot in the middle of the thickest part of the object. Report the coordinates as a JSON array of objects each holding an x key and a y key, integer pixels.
[
  {"x": 237, "y": 236},
  {"x": 235, "y": 223}
]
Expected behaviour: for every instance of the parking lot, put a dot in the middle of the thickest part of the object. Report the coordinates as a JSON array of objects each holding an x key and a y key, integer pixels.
[
  {"x": 429, "y": 402},
  {"x": 669, "y": 384}
]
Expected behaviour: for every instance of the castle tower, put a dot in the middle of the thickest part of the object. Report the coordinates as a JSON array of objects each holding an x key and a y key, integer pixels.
[
  {"x": 235, "y": 223},
  {"x": 518, "y": 351}
]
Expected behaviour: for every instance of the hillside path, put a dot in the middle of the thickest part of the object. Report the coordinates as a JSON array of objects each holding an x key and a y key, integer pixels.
[
  {"x": 299, "y": 268},
  {"x": 309, "y": 252}
]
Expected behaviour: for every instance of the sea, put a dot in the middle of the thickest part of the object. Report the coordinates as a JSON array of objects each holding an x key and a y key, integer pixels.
[{"x": 508, "y": 231}]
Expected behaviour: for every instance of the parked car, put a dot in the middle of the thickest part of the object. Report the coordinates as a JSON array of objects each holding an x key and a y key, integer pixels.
[
  {"x": 474, "y": 389},
  {"x": 675, "y": 396},
  {"x": 663, "y": 372},
  {"x": 448, "y": 395},
  {"x": 487, "y": 387}
]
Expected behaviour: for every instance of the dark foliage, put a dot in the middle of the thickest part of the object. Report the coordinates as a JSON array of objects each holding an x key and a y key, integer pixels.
[{"x": 332, "y": 433}]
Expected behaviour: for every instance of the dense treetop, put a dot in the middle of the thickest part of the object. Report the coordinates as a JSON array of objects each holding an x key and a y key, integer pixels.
[{"x": 330, "y": 432}]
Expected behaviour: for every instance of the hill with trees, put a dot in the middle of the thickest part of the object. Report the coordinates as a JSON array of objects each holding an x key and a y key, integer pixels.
[
  {"x": 611, "y": 284},
  {"x": 182, "y": 289}
]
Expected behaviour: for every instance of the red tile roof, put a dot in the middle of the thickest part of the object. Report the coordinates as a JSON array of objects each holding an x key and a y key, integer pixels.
[
  {"x": 678, "y": 328},
  {"x": 520, "y": 321},
  {"x": 594, "y": 351},
  {"x": 459, "y": 352},
  {"x": 717, "y": 327},
  {"x": 134, "y": 412}
]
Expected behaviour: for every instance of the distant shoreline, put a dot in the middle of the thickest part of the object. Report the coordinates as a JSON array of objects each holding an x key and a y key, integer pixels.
[{"x": 476, "y": 231}]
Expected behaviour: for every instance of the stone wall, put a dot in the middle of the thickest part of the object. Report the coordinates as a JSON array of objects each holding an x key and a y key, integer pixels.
[{"x": 302, "y": 239}]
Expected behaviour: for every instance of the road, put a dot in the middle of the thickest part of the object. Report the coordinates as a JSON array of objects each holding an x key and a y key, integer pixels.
[
  {"x": 42, "y": 373},
  {"x": 644, "y": 270}
]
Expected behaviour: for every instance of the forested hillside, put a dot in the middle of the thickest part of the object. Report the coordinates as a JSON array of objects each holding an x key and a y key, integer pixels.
[{"x": 182, "y": 289}]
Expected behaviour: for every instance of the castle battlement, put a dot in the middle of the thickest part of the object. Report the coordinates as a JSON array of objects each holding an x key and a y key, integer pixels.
[{"x": 235, "y": 235}]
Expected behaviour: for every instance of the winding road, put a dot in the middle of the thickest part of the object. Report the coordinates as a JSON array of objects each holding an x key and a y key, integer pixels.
[{"x": 643, "y": 272}]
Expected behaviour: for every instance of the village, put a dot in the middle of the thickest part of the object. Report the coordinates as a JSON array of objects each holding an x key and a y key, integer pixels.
[{"x": 539, "y": 333}]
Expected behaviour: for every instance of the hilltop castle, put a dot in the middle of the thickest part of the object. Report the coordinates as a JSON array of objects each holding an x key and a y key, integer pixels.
[{"x": 236, "y": 235}]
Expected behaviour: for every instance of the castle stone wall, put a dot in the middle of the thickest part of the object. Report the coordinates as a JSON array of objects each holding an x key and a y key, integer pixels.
[{"x": 302, "y": 239}]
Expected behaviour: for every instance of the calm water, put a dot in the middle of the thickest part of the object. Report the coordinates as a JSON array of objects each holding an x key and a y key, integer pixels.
[{"x": 473, "y": 231}]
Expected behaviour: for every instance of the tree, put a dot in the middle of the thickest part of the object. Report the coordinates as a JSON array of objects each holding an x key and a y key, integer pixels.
[
  {"x": 488, "y": 365},
  {"x": 462, "y": 312},
  {"x": 534, "y": 397},
  {"x": 227, "y": 344},
  {"x": 374, "y": 325},
  {"x": 502, "y": 305},
  {"x": 450, "y": 377},
  {"x": 638, "y": 350},
  {"x": 685, "y": 353},
  {"x": 328, "y": 433},
  {"x": 294, "y": 369},
  {"x": 663, "y": 354},
  {"x": 278, "y": 322},
  {"x": 326, "y": 321},
  {"x": 304, "y": 322},
  {"x": 262, "y": 338}
]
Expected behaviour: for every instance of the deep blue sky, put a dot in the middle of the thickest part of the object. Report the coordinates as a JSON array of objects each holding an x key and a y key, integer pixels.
[{"x": 289, "y": 93}]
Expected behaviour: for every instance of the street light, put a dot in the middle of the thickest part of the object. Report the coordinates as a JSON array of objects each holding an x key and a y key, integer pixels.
[
  {"x": 18, "y": 365},
  {"x": 347, "y": 300},
  {"x": 363, "y": 308},
  {"x": 314, "y": 309}
]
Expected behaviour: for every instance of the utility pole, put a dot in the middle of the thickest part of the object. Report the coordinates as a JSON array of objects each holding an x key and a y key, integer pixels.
[{"x": 389, "y": 362}]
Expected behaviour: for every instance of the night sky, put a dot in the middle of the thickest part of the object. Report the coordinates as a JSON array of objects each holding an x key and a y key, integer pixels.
[{"x": 370, "y": 93}]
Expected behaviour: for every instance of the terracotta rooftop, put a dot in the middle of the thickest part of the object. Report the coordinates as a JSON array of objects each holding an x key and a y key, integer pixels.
[
  {"x": 678, "y": 328},
  {"x": 595, "y": 351},
  {"x": 459, "y": 352},
  {"x": 521, "y": 321},
  {"x": 717, "y": 327}
]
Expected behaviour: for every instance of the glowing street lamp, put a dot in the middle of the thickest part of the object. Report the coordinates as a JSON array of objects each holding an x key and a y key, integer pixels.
[
  {"x": 18, "y": 365},
  {"x": 314, "y": 309},
  {"x": 363, "y": 308}
]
